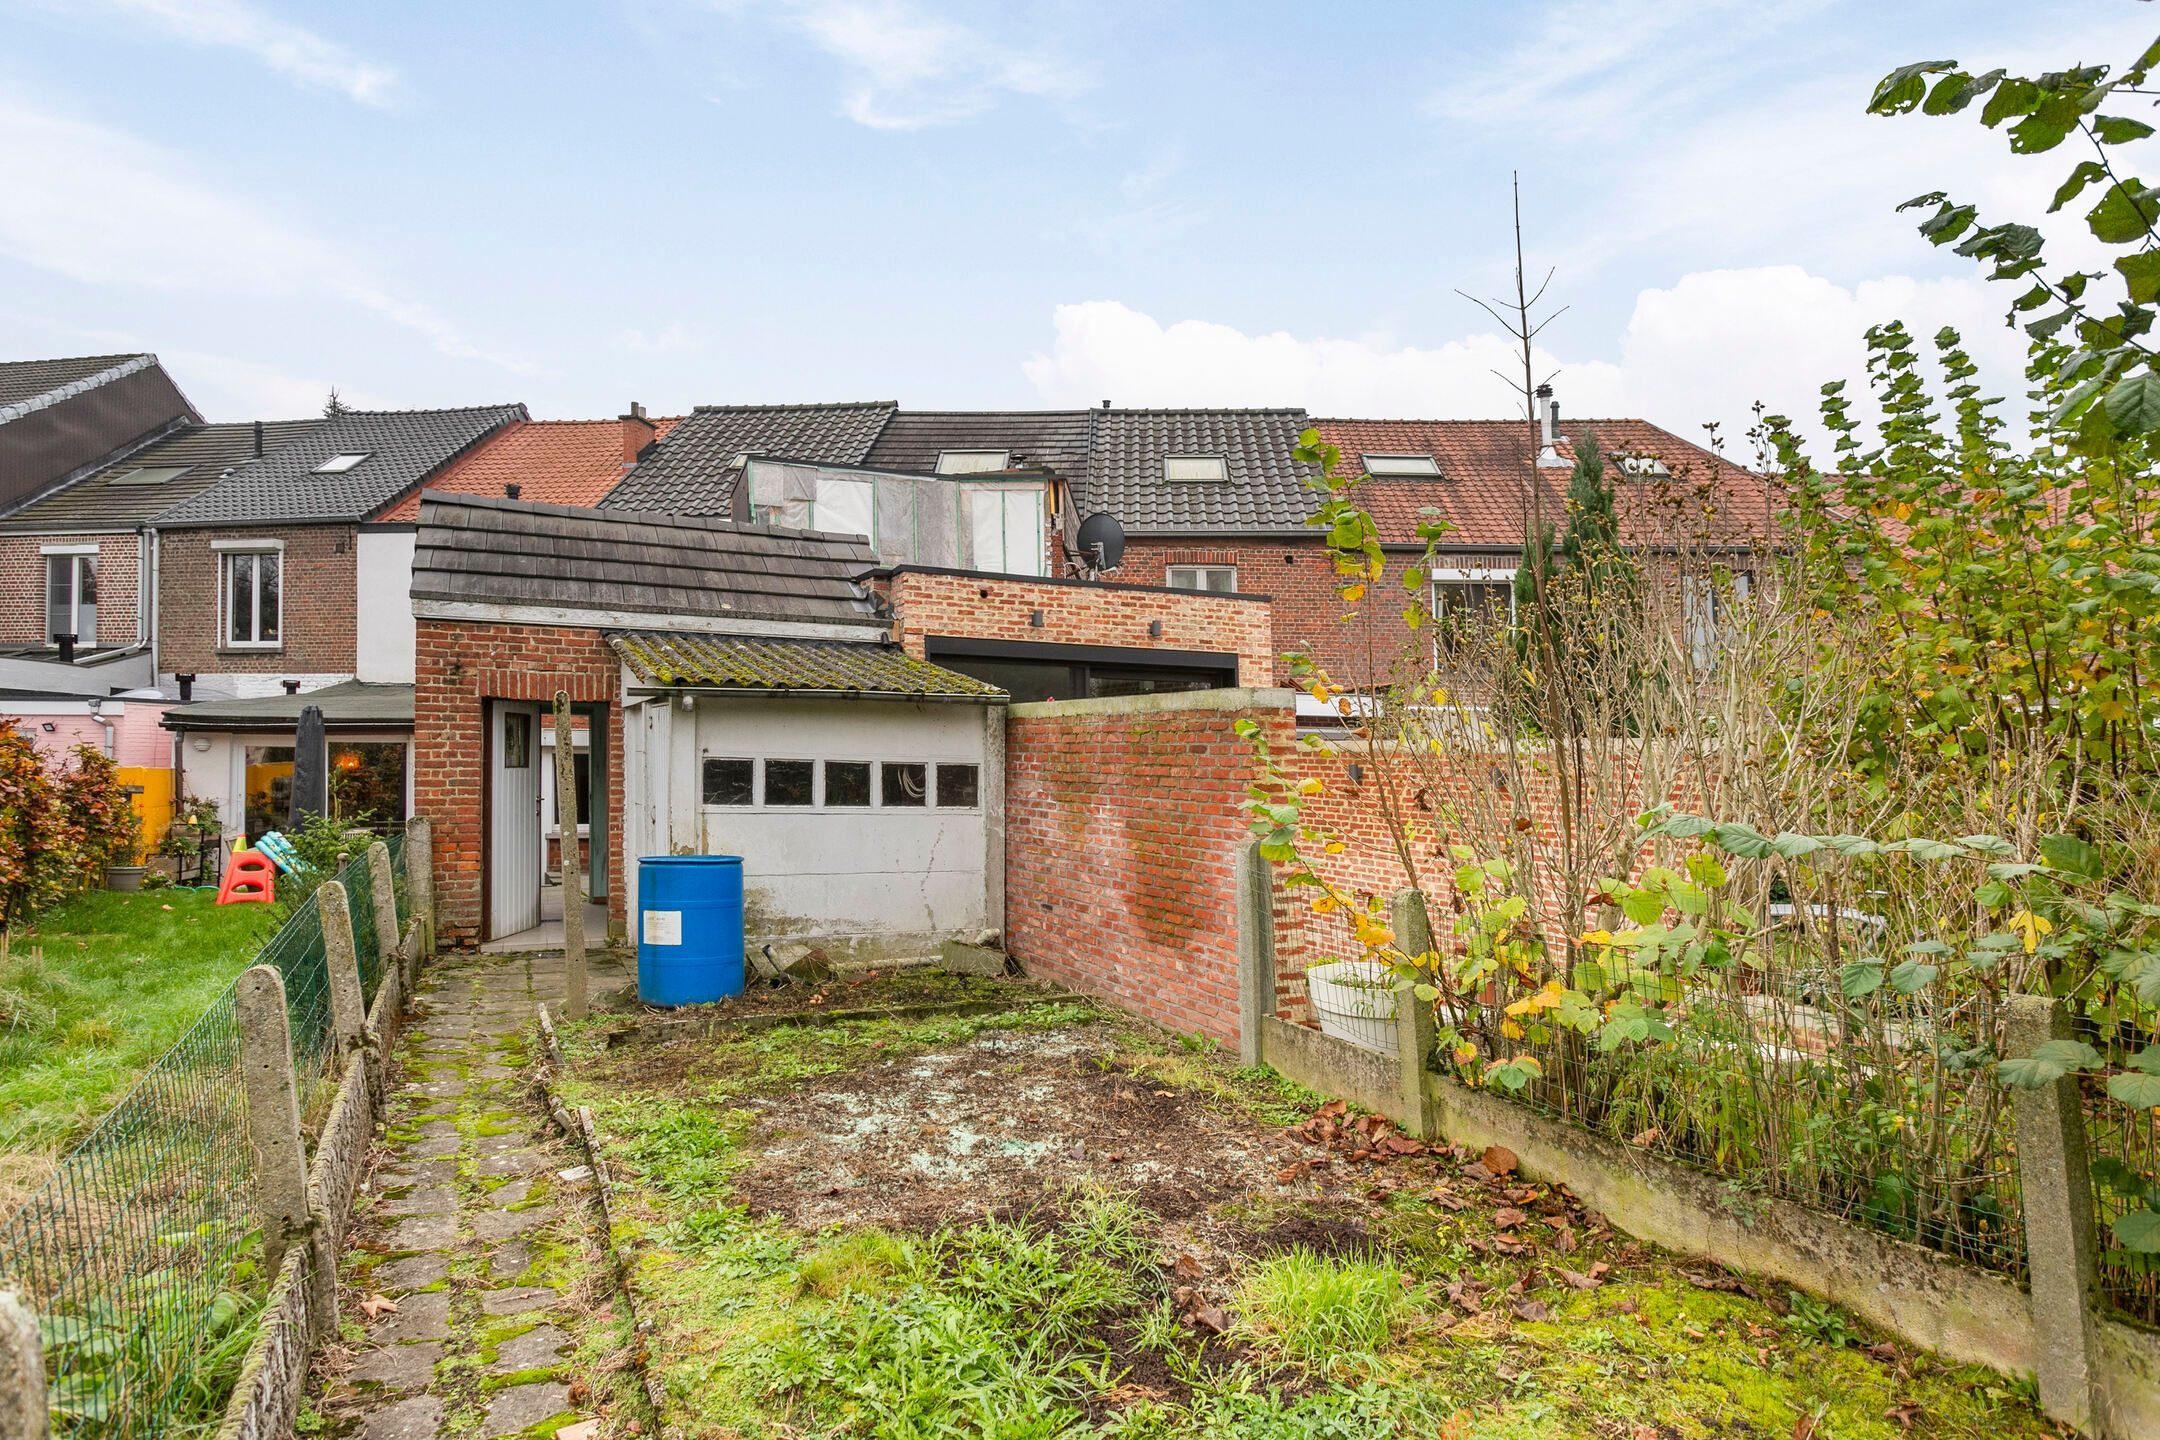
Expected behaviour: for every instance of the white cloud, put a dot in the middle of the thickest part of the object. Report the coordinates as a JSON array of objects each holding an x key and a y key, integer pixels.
[
  {"x": 65, "y": 179},
  {"x": 909, "y": 70},
  {"x": 1715, "y": 342},
  {"x": 1106, "y": 349},
  {"x": 298, "y": 54},
  {"x": 1705, "y": 348}
]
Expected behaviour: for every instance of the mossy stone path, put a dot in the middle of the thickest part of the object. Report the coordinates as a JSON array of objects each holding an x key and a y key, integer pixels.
[{"x": 479, "y": 1226}]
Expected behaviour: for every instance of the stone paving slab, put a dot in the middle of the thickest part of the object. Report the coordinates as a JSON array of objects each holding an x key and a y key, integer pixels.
[{"x": 467, "y": 1216}]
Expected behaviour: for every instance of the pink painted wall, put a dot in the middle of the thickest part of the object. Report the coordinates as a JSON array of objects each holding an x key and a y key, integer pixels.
[{"x": 138, "y": 740}]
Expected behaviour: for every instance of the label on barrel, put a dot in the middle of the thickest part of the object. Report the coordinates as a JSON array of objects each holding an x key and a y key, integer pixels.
[{"x": 663, "y": 927}]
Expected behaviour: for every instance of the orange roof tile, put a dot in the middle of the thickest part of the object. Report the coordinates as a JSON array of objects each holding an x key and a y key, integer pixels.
[
  {"x": 1486, "y": 479},
  {"x": 560, "y": 462}
]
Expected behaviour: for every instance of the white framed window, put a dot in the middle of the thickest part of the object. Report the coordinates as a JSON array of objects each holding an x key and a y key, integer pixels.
[
  {"x": 1472, "y": 601},
  {"x": 1221, "y": 579},
  {"x": 1400, "y": 465},
  {"x": 845, "y": 507},
  {"x": 1706, "y": 604},
  {"x": 1198, "y": 469},
  {"x": 251, "y": 597},
  {"x": 71, "y": 593},
  {"x": 1643, "y": 467},
  {"x": 1006, "y": 524},
  {"x": 339, "y": 464},
  {"x": 973, "y": 462}
]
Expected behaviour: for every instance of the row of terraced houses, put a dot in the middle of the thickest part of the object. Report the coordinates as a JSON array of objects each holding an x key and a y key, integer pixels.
[{"x": 175, "y": 590}]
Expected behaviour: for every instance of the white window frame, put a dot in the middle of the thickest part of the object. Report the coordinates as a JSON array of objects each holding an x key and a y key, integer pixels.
[
  {"x": 1704, "y": 601},
  {"x": 1193, "y": 577},
  {"x": 226, "y": 551},
  {"x": 1171, "y": 462},
  {"x": 343, "y": 461},
  {"x": 960, "y": 462},
  {"x": 1466, "y": 574},
  {"x": 79, "y": 555},
  {"x": 1405, "y": 466}
]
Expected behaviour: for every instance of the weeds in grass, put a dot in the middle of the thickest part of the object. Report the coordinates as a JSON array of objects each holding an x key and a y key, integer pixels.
[
  {"x": 861, "y": 1262},
  {"x": 1321, "y": 1312}
]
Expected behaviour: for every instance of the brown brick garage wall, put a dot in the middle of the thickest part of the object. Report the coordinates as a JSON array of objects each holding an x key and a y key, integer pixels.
[
  {"x": 1124, "y": 821},
  {"x": 984, "y": 607},
  {"x": 22, "y": 587},
  {"x": 459, "y": 666},
  {"x": 1298, "y": 576},
  {"x": 319, "y": 584}
]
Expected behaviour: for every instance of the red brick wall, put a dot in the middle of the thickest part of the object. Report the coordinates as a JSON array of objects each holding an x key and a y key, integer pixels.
[
  {"x": 1124, "y": 822},
  {"x": 1435, "y": 798},
  {"x": 460, "y": 665},
  {"x": 321, "y": 602},
  {"x": 1299, "y": 578},
  {"x": 976, "y": 607},
  {"x": 22, "y": 587}
]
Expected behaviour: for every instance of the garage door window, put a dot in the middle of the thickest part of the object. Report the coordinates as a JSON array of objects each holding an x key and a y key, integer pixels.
[
  {"x": 787, "y": 782},
  {"x": 958, "y": 787},
  {"x": 906, "y": 783},
  {"x": 847, "y": 783},
  {"x": 727, "y": 782}
]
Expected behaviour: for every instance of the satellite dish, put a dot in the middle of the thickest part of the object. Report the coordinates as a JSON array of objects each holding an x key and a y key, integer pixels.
[{"x": 1102, "y": 542}]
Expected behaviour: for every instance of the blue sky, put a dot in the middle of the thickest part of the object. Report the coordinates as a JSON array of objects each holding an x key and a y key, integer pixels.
[{"x": 986, "y": 205}]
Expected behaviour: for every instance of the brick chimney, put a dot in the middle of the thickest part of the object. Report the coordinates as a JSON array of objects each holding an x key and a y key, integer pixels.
[{"x": 638, "y": 431}]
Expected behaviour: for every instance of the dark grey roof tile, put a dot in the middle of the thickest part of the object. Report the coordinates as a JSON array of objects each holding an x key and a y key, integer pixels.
[
  {"x": 1265, "y": 488},
  {"x": 403, "y": 448},
  {"x": 153, "y": 479},
  {"x": 688, "y": 472}
]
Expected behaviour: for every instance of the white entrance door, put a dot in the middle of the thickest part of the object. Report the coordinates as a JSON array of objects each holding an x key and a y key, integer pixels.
[{"x": 514, "y": 824}]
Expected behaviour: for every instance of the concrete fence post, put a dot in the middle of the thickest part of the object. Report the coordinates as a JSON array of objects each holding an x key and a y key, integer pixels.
[
  {"x": 24, "y": 1412},
  {"x": 420, "y": 877},
  {"x": 1414, "y": 1027},
  {"x": 273, "y": 1109},
  {"x": 341, "y": 956},
  {"x": 382, "y": 891},
  {"x": 2061, "y": 1228},
  {"x": 573, "y": 873},
  {"x": 1256, "y": 949}
]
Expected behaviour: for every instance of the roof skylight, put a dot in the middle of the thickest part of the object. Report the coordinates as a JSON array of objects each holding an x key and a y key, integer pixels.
[
  {"x": 150, "y": 475},
  {"x": 973, "y": 462},
  {"x": 1400, "y": 465},
  {"x": 1201, "y": 468},
  {"x": 339, "y": 464}
]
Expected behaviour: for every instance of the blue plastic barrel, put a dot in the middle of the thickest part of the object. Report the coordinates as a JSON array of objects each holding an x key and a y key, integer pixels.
[{"x": 690, "y": 928}]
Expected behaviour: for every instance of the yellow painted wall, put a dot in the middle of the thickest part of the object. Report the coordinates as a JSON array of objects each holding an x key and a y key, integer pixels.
[{"x": 154, "y": 806}]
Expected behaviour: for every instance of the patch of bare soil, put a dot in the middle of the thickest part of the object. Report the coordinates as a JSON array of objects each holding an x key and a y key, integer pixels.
[
  {"x": 876, "y": 989},
  {"x": 1003, "y": 1124}
]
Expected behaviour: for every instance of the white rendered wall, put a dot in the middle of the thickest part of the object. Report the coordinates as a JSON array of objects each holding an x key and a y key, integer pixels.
[{"x": 383, "y": 638}]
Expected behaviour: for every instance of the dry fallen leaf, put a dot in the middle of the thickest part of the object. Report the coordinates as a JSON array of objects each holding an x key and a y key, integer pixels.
[
  {"x": 1185, "y": 1267},
  {"x": 582, "y": 1430},
  {"x": 1508, "y": 1219},
  {"x": 1531, "y": 1310},
  {"x": 375, "y": 1305},
  {"x": 1499, "y": 1160}
]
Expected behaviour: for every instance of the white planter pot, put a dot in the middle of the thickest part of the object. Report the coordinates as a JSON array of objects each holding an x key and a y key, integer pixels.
[{"x": 1354, "y": 1000}]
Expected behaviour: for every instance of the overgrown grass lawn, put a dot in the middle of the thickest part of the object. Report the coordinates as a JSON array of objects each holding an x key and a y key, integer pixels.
[
  {"x": 1050, "y": 1223},
  {"x": 122, "y": 977}
]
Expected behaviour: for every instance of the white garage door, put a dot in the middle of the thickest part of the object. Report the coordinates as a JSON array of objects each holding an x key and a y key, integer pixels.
[{"x": 856, "y": 820}]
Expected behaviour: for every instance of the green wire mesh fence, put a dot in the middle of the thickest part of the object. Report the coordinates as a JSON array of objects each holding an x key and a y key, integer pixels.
[{"x": 140, "y": 1254}]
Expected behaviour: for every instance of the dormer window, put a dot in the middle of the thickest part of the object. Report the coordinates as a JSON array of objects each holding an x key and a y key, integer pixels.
[
  {"x": 339, "y": 464},
  {"x": 1401, "y": 465},
  {"x": 1643, "y": 467},
  {"x": 1196, "y": 469},
  {"x": 973, "y": 462}
]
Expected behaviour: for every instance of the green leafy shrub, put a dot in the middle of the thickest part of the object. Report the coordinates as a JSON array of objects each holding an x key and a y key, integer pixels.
[{"x": 39, "y": 845}]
